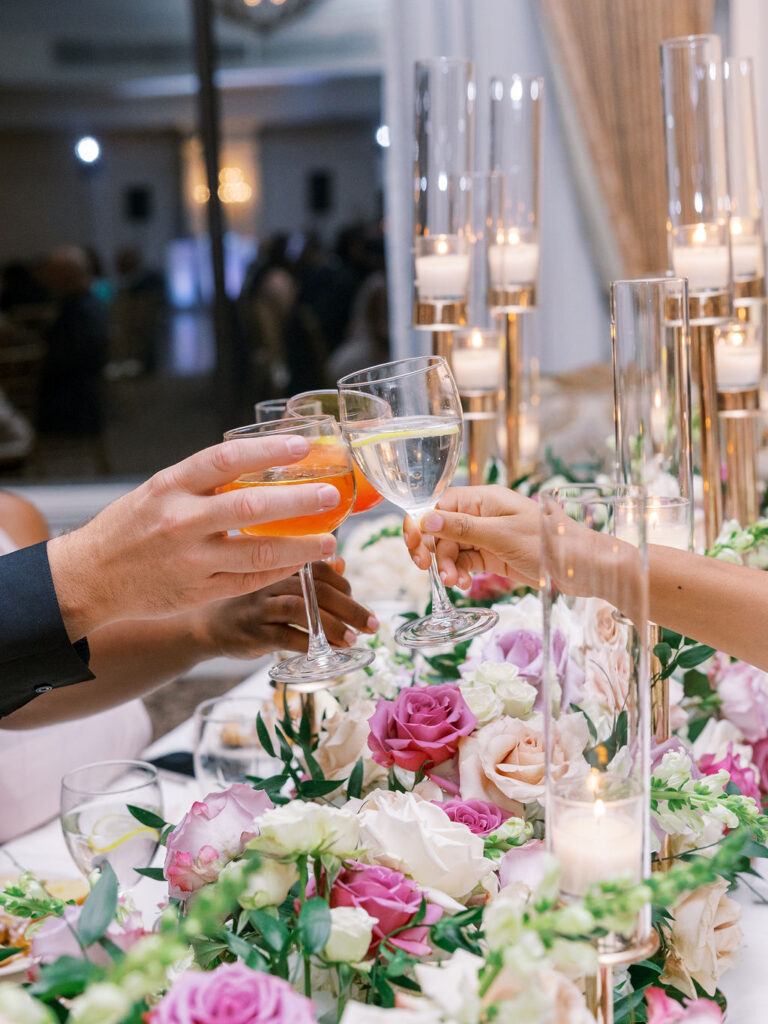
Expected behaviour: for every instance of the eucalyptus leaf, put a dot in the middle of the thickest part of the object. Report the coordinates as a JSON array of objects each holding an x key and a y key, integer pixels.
[{"x": 314, "y": 925}]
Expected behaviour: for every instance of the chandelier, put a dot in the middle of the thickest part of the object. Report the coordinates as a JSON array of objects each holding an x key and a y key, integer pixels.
[{"x": 264, "y": 15}]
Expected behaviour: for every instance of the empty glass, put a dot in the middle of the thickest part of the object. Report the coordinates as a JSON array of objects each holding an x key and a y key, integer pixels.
[{"x": 227, "y": 746}]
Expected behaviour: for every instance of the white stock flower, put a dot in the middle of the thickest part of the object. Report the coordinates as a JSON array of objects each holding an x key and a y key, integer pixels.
[
  {"x": 406, "y": 833},
  {"x": 503, "y": 922},
  {"x": 515, "y": 831},
  {"x": 300, "y": 828},
  {"x": 351, "y": 931},
  {"x": 18, "y": 1007},
  {"x": 674, "y": 770},
  {"x": 101, "y": 1003}
]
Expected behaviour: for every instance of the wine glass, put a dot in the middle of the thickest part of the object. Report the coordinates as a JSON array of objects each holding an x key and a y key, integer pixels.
[
  {"x": 326, "y": 402},
  {"x": 227, "y": 746},
  {"x": 270, "y": 409},
  {"x": 328, "y": 462},
  {"x": 404, "y": 427},
  {"x": 97, "y": 825}
]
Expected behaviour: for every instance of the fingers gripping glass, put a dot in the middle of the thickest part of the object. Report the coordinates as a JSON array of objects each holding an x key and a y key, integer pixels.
[
  {"x": 404, "y": 427},
  {"x": 328, "y": 462}
]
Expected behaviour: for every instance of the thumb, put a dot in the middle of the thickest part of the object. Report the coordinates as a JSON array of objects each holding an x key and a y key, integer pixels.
[{"x": 456, "y": 526}]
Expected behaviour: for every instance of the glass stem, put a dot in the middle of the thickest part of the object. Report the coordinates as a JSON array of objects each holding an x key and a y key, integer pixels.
[
  {"x": 441, "y": 603},
  {"x": 318, "y": 644}
]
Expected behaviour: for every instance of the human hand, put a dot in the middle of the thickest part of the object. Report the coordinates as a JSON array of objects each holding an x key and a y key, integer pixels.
[
  {"x": 163, "y": 548},
  {"x": 247, "y": 627},
  {"x": 480, "y": 529}
]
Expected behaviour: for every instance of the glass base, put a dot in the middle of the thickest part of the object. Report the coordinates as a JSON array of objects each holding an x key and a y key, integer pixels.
[
  {"x": 305, "y": 676},
  {"x": 460, "y": 625}
]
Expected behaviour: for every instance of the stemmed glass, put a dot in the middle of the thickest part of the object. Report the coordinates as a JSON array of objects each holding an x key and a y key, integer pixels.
[
  {"x": 404, "y": 427},
  {"x": 326, "y": 402},
  {"x": 227, "y": 745},
  {"x": 97, "y": 825},
  {"x": 270, "y": 409},
  {"x": 328, "y": 462}
]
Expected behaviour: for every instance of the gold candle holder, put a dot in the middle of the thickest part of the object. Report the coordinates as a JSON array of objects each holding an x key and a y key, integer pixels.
[
  {"x": 476, "y": 361},
  {"x": 599, "y": 988},
  {"x": 703, "y": 365},
  {"x": 480, "y": 412}
]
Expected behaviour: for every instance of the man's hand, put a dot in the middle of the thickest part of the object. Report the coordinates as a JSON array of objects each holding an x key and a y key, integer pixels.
[
  {"x": 163, "y": 548},
  {"x": 480, "y": 529},
  {"x": 247, "y": 627}
]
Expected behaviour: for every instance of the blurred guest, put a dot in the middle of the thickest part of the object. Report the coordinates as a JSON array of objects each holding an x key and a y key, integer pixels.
[
  {"x": 71, "y": 390},
  {"x": 138, "y": 315},
  {"x": 367, "y": 343},
  {"x": 266, "y": 300},
  {"x": 20, "y": 286},
  {"x": 101, "y": 286}
]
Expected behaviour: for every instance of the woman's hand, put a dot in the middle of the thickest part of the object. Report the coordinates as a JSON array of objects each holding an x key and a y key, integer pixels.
[
  {"x": 480, "y": 529},
  {"x": 267, "y": 620}
]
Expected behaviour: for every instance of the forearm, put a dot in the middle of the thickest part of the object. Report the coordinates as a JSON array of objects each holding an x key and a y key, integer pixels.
[
  {"x": 128, "y": 659},
  {"x": 717, "y": 603}
]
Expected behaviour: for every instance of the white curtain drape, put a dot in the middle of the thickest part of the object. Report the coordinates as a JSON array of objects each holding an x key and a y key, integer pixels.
[{"x": 501, "y": 37}]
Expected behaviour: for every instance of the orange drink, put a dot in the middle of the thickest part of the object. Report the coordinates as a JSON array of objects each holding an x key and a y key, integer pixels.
[{"x": 367, "y": 495}]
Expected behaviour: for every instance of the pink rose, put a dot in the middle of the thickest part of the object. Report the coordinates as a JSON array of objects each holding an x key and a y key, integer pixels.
[
  {"x": 421, "y": 726},
  {"x": 742, "y": 775},
  {"x": 664, "y": 1010},
  {"x": 760, "y": 758},
  {"x": 487, "y": 586},
  {"x": 744, "y": 693},
  {"x": 212, "y": 833},
  {"x": 523, "y": 865},
  {"x": 232, "y": 994},
  {"x": 56, "y": 937},
  {"x": 479, "y": 816},
  {"x": 391, "y": 898}
]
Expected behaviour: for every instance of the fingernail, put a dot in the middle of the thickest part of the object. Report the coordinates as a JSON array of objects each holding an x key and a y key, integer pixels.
[
  {"x": 443, "y": 576},
  {"x": 328, "y": 545},
  {"x": 327, "y": 496},
  {"x": 372, "y": 624},
  {"x": 432, "y": 522},
  {"x": 297, "y": 445},
  {"x": 349, "y": 637}
]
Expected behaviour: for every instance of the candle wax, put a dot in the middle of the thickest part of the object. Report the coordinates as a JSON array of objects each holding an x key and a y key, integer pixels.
[
  {"x": 592, "y": 849},
  {"x": 513, "y": 264},
  {"x": 476, "y": 369},
  {"x": 442, "y": 276},
  {"x": 737, "y": 366},
  {"x": 705, "y": 266},
  {"x": 747, "y": 259}
]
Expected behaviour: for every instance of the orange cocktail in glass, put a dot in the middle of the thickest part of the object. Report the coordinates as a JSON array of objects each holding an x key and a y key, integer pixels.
[
  {"x": 325, "y": 402},
  {"x": 328, "y": 462}
]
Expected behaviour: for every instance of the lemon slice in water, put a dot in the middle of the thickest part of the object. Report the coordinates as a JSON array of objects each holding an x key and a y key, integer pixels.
[
  {"x": 113, "y": 829},
  {"x": 435, "y": 430}
]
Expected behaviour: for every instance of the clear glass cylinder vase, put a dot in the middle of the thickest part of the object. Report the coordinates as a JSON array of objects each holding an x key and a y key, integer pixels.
[{"x": 597, "y": 692}]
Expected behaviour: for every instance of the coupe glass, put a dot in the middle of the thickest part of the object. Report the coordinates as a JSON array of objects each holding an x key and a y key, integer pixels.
[
  {"x": 328, "y": 462},
  {"x": 270, "y": 409},
  {"x": 404, "y": 427},
  {"x": 98, "y": 827},
  {"x": 326, "y": 402},
  {"x": 227, "y": 746}
]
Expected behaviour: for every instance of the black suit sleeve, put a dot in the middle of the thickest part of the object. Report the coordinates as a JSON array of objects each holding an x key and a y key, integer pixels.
[{"x": 36, "y": 654}]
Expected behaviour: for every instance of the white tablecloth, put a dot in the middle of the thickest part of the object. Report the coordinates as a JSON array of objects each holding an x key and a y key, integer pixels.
[{"x": 44, "y": 851}]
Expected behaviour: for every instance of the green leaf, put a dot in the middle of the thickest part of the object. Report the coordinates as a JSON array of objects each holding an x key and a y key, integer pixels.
[
  {"x": 264, "y": 738},
  {"x": 663, "y": 652},
  {"x": 8, "y": 951},
  {"x": 99, "y": 908},
  {"x": 696, "y": 684},
  {"x": 694, "y": 656},
  {"x": 314, "y": 788},
  {"x": 274, "y": 932},
  {"x": 668, "y": 636},
  {"x": 244, "y": 951},
  {"x": 147, "y": 817},
  {"x": 68, "y": 977},
  {"x": 355, "y": 784},
  {"x": 314, "y": 925},
  {"x": 154, "y": 873},
  {"x": 696, "y": 728}
]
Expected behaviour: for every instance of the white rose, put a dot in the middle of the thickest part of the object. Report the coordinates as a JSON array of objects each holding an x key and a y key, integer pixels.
[
  {"x": 516, "y": 695},
  {"x": 704, "y": 938},
  {"x": 102, "y": 1003},
  {"x": 302, "y": 828},
  {"x": 344, "y": 739},
  {"x": 268, "y": 886},
  {"x": 482, "y": 701},
  {"x": 544, "y": 997},
  {"x": 351, "y": 931},
  {"x": 453, "y": 986},
  {"x": 413, "y": 836},
  {"x": 714, "y": 739},
  {"x": 18, "y": 1007},
  {"x": 361, "y": 1013}
]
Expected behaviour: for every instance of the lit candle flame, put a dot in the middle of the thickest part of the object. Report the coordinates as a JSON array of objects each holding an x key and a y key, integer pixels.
[
  {"x": 442, "y": 246},
  {"x": 736, "y": 226},
  {"x": 593, "y": 780},
  {"x": 513, "y": 237},
  {"x": 476, "y": 339},
  {"x": 599, "y": 809},
  {"x": 700, "y": 234},
  {"x": 657, "y": 399}
]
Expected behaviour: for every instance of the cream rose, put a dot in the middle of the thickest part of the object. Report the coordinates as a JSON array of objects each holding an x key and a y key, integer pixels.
[
  {"x": 514, "y": 695},
  {"x": 303, "y": 828},
  {"x": 344, "y": 739},
  {"x": 482, "y": 701},
  {"x": 351, "y": 931},
  {"x": 504, "y": 762},
  {"x": 546, "y": 995},
  {"x": 703, "y": 939},
  {"x": 268, "y": 886},
  {"x": 602, "y": 626},
  {"x": 406, "y": 833}
]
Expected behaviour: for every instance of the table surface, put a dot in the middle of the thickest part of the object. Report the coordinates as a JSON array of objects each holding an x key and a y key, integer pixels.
[{"x": 43, "y": 851}]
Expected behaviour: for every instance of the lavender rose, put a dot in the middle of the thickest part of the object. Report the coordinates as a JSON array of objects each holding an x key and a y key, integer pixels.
[
  {"x": 479, "y": 816},
  {"x": 421, "y": 726},
  {"x": 232, "y": 994},
  {"x": 212, "y": 833},
  {"x": 743, "y": 690}
]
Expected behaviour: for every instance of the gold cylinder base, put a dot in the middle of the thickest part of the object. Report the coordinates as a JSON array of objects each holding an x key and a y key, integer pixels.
[
  {"x": 481, "y": 410},
  {"x": 511, "y": 299},
  {"x": 436, "y": 314},
  {"x": 599, "y": 988},
  {"x": 739, "y": 415},
  {"x": 703, "y": 367},
  {"x": 510, "y": 324}
]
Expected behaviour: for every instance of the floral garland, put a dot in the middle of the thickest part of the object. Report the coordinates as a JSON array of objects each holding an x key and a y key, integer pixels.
[{"x": 392, "y": 870}]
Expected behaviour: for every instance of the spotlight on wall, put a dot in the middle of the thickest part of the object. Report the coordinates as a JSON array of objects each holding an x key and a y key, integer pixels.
[
  {"x": 382, "y": 136},
  {"x": 87, "y": 150}
]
